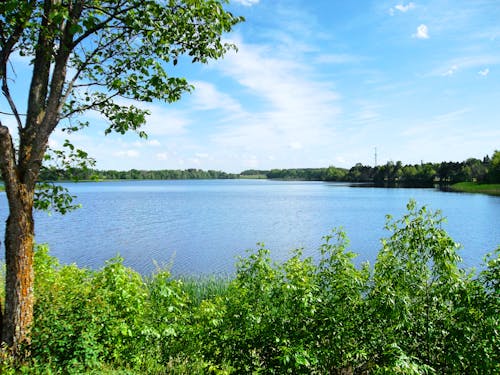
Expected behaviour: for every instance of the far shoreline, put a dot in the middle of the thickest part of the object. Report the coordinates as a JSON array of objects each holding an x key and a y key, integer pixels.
[{"x": 476, "y": 188}]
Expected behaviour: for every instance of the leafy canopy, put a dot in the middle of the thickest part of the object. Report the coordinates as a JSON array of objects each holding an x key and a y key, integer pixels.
[
  {"x": 118, "y": 48},
  {"x": 104, "y": 56}
]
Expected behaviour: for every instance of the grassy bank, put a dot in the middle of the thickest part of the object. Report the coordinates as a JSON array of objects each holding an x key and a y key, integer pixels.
[
  {"x": 253, "y": 176},
  {"x": 472, "y": 187},
  {"x": 414, "y": 312}
]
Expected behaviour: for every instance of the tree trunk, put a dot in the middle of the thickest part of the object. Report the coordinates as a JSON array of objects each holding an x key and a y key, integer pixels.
[
  {"x": 19, "y": 240},
  {"x": 19, "y": 252}
]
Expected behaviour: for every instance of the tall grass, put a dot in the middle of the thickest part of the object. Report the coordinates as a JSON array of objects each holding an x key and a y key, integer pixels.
[
  {"x": 201, "y": 288},
  {"x": 472, "y": 187}
]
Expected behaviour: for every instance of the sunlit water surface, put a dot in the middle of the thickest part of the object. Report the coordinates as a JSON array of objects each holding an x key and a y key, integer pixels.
[{"x": 200, "y": 227}]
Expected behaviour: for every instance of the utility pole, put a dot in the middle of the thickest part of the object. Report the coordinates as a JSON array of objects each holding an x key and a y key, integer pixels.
[{"x": 375, "y": 156}]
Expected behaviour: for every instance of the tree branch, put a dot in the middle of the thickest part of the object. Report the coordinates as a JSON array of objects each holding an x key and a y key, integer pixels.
[
  {"x": 41, "y": 70},
  {"x": 103, "y": 24},
  {"x": 8, "y": 165},
  {"x": 12, "y": 104},
  {"x": 89, "y": 106},
  {"x": 7, "y": 49},
  {"x": 9, "y": 43},
  {"x": 81, "y": 68}
]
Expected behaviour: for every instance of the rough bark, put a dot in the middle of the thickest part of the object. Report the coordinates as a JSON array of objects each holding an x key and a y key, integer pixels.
[{"x": 19, "y": 233}]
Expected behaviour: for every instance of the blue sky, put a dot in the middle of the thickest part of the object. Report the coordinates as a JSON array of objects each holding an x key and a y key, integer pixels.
[{"x": 324, "y": 82}]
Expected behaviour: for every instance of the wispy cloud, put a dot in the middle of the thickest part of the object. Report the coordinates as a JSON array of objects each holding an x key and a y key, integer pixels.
[
  {"x": 402, "y": 8},
  {"x": 207, "y": 97},
  {"x": 164, "y": 121},
  {"x": 342, "y": 58},
  {"x": 443, "y": 122},
  {"x": 127, "y": 154},
  {"x": 451, "y": 117},
  {"x": 405, "y": 8},
  {"x": 451, "y": 67},
  {"x": 299, "y": 111},
  {"x": 450, "y": 71},
  {"x": 296, "y": 145},
  {"x": 422, "y": 32},
  {"x": 484, "y": 72},
  {"x": 147, "y": 143},
  {"x": 247, "y": 3}
]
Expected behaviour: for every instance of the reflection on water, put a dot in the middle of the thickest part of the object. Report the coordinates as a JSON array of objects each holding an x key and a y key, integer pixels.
[{"x": 202, "y": 226}]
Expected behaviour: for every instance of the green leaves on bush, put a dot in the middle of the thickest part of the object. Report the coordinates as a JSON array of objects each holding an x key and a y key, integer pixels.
[{"x": 414, "y": 312}]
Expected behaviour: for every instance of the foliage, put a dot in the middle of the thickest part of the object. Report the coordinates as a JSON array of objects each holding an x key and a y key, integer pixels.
[
  {"x": 414, "y": 312},
  {"x": 494, "y": 170},
  {"x": 396, "y": 174},
  {"x": 65, "y": 174}
]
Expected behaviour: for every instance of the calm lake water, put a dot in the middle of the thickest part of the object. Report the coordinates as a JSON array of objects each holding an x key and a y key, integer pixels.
[{"x": 201, "y": 226}]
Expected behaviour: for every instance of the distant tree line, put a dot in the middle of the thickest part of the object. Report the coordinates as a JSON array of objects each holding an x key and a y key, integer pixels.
[
  {"x": 397, "y": 174},
  {"x": 303, "y": 174},
  {"x": 55, "y": 174},
  {"x": 486, "y": 170}
]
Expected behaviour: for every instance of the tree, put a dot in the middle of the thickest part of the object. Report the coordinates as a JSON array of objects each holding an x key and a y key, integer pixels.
[
  {"x": 85, "y": 55},
  {"x": 494, "y": 168}
]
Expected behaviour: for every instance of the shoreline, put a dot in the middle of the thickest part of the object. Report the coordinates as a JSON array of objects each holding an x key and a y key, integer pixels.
[{"x": 475, "y": 188}]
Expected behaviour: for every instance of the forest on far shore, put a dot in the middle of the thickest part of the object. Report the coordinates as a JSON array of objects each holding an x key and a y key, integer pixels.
[{"x": 486, "y": 170}]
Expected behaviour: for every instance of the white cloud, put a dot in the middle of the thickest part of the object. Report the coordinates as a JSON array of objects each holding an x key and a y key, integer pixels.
[
  {"x": 147, "y": 143},
  {"x": 368, "y": 112},
  {"x": 163, "y": 119},
  {"x": 402, "y": 8},
  {"x": 127, "y": 154},
  {"x": 437, "y": 124},
  {"x": 247, "y": 3},
  {"x": 279, "y": 80},
  {"x": 297, "y": 109},
  {"x": 295, "y": 145},
  {"x": 450, "y": 67},
  {"x": 405, "y": 8},
  {"x": 484, "y": 72},
  {"x": 451, "y": 117},
  {"x": 422, "y": 32},
  {"x": 451, "y": 71},
  {"x": 207, "y": 97}
]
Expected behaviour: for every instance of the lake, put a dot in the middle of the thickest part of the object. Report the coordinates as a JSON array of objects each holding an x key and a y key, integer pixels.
[{"x": 202, "y": 226}]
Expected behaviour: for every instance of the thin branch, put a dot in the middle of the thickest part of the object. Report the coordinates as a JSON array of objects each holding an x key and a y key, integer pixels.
[
  {"x": 7, "y": 48},
  {"x": 92, "y": 84},
  {"x": 101, "y": 25},
  {"x": 12, "y": 104},
  {"x": 11, "y": 114},
  {"x": 89, "y": 106},
  {"x": 9, "y": 43},
  {"x": 81, "y": 68}
]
